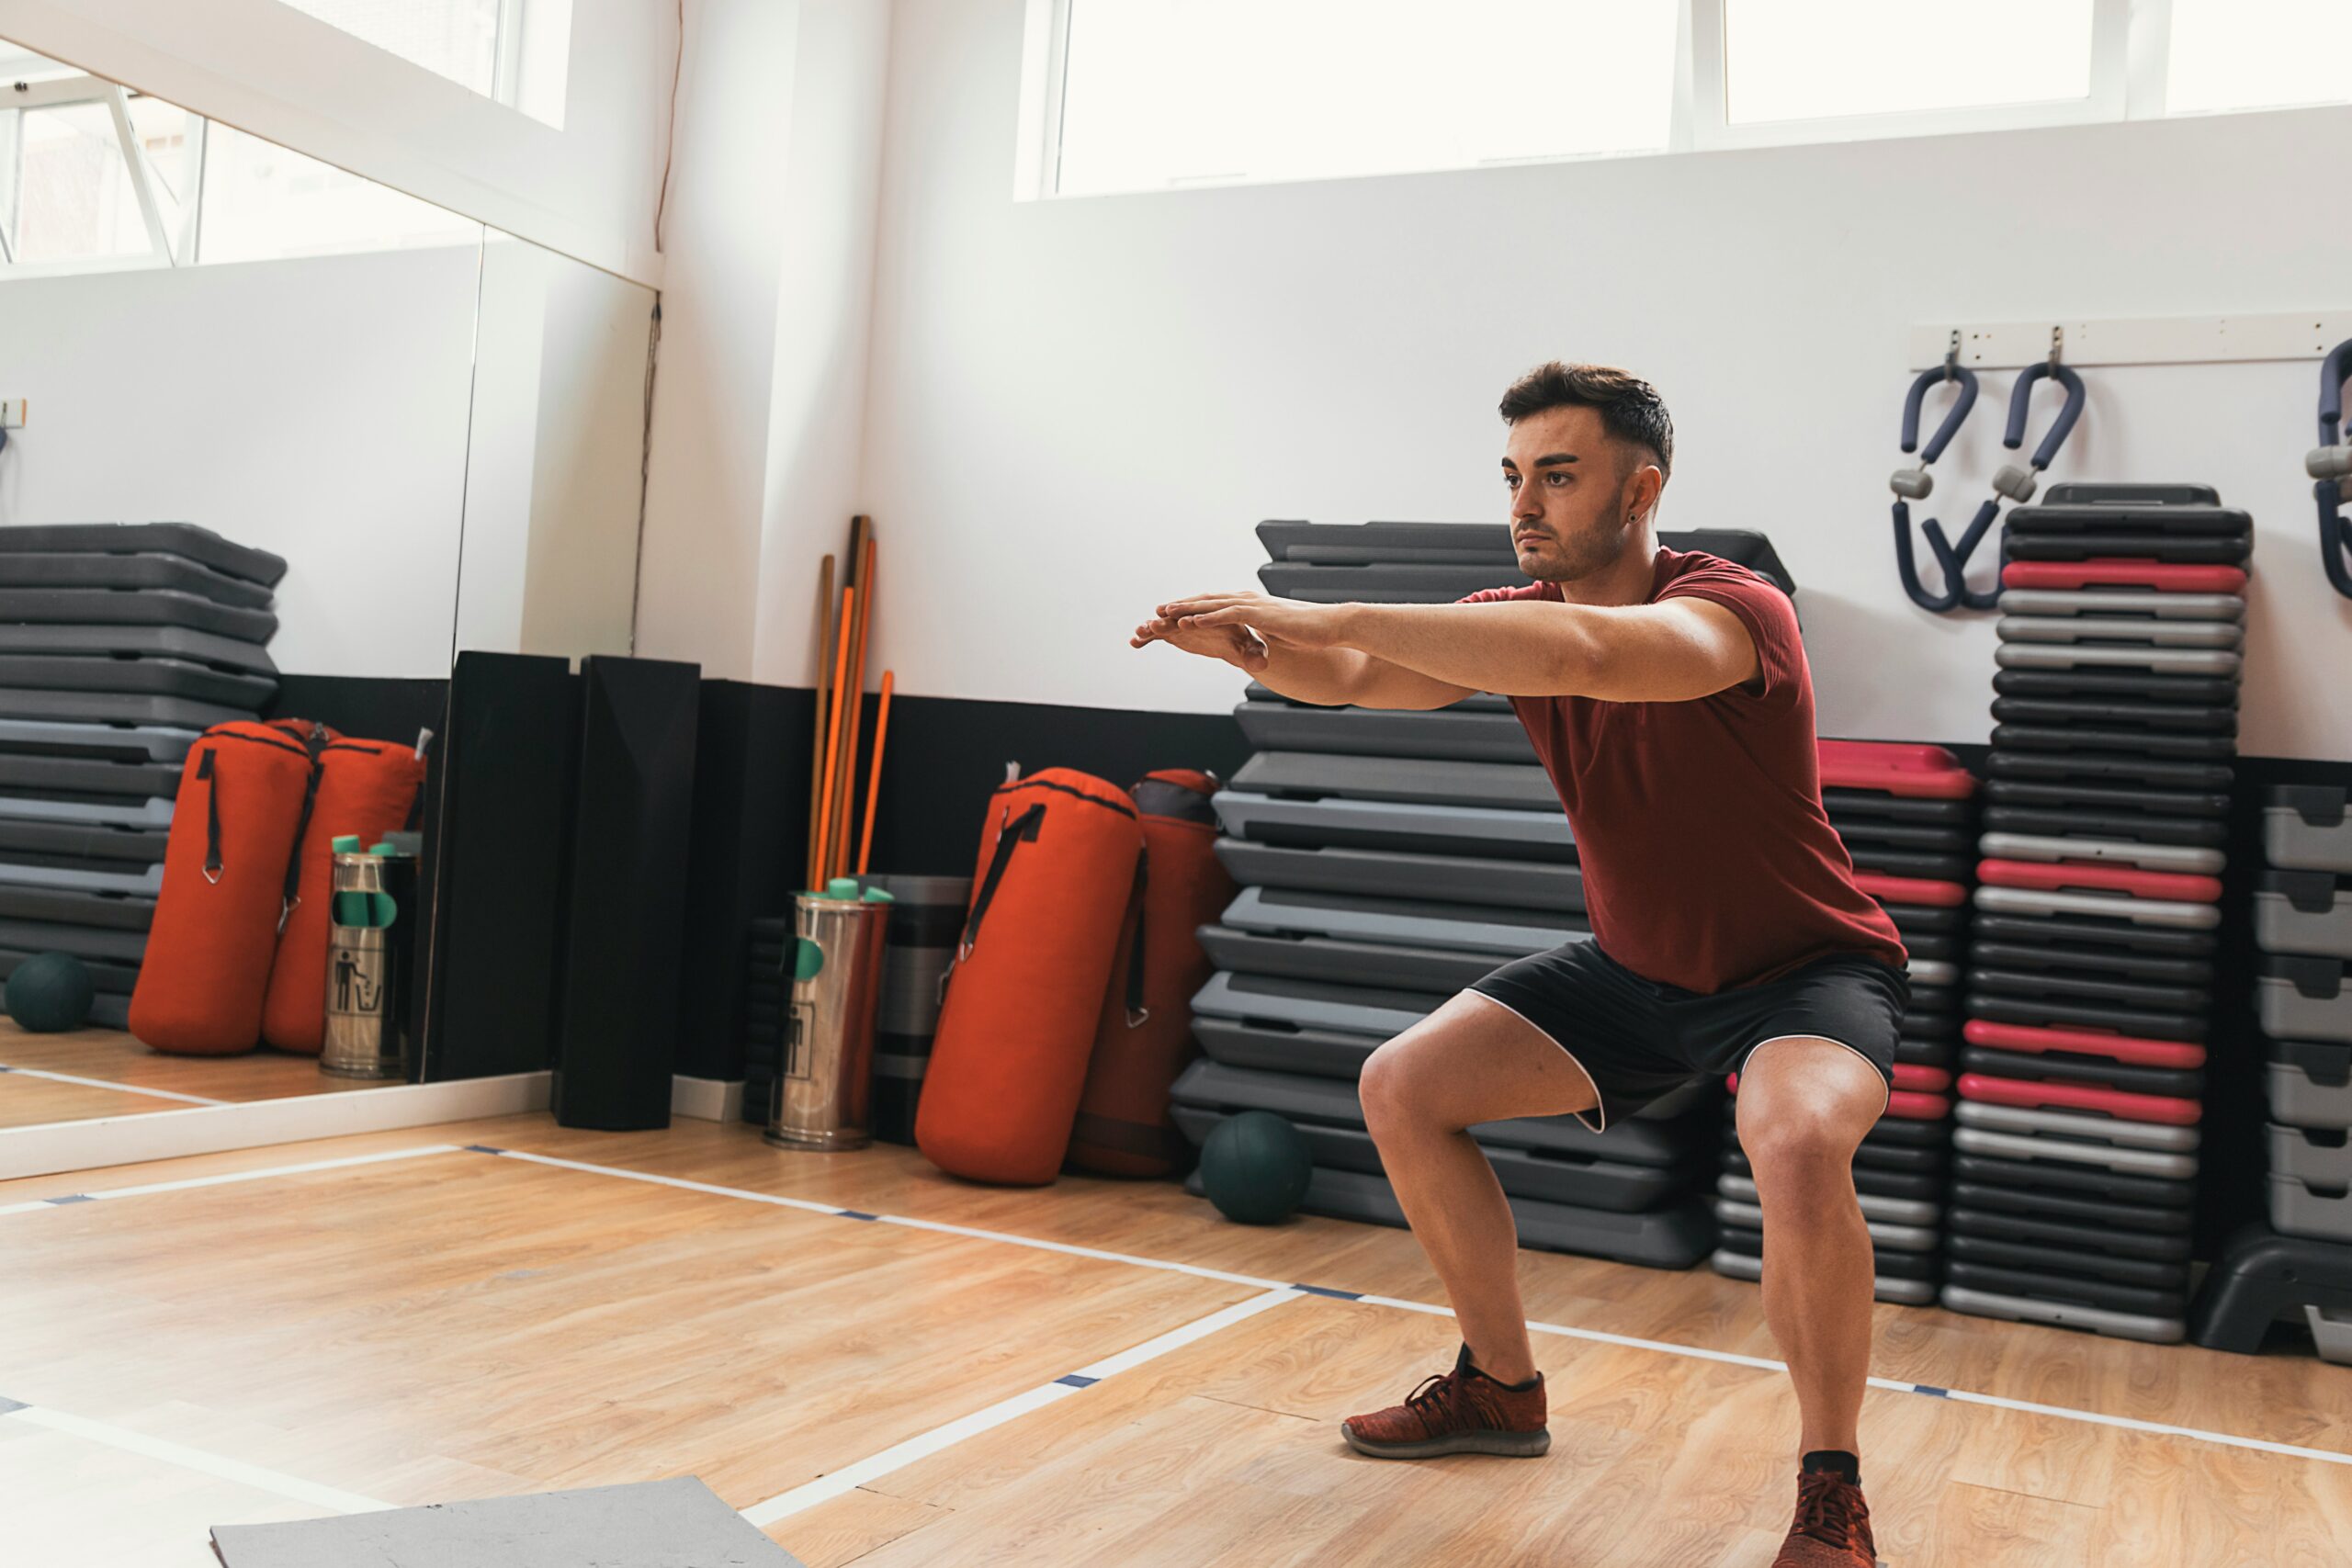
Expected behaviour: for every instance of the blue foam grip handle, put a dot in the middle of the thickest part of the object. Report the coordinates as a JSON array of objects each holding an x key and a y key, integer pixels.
[
  {"x": 2021, "y": 405},
  {"x": 1953, "y": 417}
]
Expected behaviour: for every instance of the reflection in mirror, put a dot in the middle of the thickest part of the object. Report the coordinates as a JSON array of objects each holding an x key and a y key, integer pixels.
[{"x": 343, "y": 405}]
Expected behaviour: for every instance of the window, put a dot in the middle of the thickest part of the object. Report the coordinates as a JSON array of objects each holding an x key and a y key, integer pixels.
[
  {"x": 95, "y": 176},
  {"x": 1787, "y": 59},
  {"x": 517, "y": 51},
  {"x": 1150, "y": 94},
  {"x": 2253, "y": 54},
  {"x": 1172, "y": 92},
  {"x": 262, "y": 201}
]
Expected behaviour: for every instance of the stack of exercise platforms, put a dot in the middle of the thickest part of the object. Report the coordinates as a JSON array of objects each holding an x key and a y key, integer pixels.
[
  {"x": 119, "y": 643},
  {"x": 2300, "y": 1264},
  {"x": 1388, "y": 859},
  {"x": 926, "y": 916},
  {"x": 2083, "y": 1074},
  {"x": 1907, "y": 814}
]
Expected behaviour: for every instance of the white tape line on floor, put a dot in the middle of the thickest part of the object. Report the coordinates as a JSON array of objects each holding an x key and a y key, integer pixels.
[
  {"x": 122, "y": 1088},
  {"x": 900, "y": 1455},
  {"x": 259, "y": 1477}
]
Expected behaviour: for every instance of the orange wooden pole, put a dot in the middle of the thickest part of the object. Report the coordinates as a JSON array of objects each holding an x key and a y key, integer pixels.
[
  {"x": 856, "y": 719},
  {"x": 832, "y": 748},
  {"x": 874, "y": 785}
]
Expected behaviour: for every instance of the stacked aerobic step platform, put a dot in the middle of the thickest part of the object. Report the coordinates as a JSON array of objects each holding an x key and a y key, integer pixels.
[
  {"x": 1907, "y": 814},
  {"x": 926, "y": 916},
  {"x": 2082, "y": 1079},
  {"x": 2300, "y": 1265},
  {"x": 1387, "y": 859},
  {"x": 120, "y": 642}
]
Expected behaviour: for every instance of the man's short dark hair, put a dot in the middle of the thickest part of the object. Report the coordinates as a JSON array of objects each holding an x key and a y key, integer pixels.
[{"x": 1630, "y": 408}]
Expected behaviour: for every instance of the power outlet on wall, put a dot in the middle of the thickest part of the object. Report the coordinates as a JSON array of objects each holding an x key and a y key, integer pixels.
[{"x": 12, "y": 413}]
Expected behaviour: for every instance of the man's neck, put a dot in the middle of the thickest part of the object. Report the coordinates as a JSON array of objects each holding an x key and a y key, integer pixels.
[{"x": 1625, "y": 581}]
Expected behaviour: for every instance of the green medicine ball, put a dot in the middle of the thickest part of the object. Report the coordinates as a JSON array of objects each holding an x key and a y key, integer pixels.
[
  {"x": 50, "y": 993},
  {"x": 1254, "y": 1168}
]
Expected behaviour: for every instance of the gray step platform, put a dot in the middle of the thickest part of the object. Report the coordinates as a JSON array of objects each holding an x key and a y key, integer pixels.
[
  {"x": 145, "y": 607},
  {"x": 2037, "y": 1150},
  {"x": 199, "y": 545},
  {"x": 2064, "y": 1315},
  {"x": 2109, "y": 1130},
  {"x": 118, "y": 708},
  {"x": 80, "y": 845},
  {"x": 2321, "y": 1155},
  {"x": 1606, "y": 1185},
  {"x": 1683, "y": 1141},
  {"x": 142, "y": 570},
  {"x": 82, "y": 778},
  {"x": 1732, "y": 1264},
  {"x": 2117, "y": 851},
  {"x": 2308, "y": 828},
  {"x": 2102, "y": 656},
  {"x": 2305, "y": 998},
  {"x": 1463, "y": 879},
  {"x": 1889, "y": 1210},
  {"x": 89, "y": 943},
  {"x": 138, "y": 642},
  {"x": 1675, "y": 1236},
  {"x": 64, "y": 906},
  {"x": 1445, "y": 733},
  {"x": 2303, "y": 911},
  {"x": 1342, "y": 963},
  {"x": 1413, "y": 922},
  {"x": 146, "y": 882},
  {"x": 1398, "y": 825},
  {"x": 2130, "y": 911},
  {"x": 2096, "y": 603},
  {"x": 154, "y": 677},
  {"x": 113, "y": 811},
  {"x": 2099, "y": 631},
  {"x": 1316, "y": 775},
  {"x": 95, "y": 742},
  {"x": 1357, "y": 1010}
]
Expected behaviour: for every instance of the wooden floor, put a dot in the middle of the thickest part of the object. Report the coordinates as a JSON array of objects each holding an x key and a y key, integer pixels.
[
  {"x": 123, "y": 1068},
  {"x": 458, "y": 1325}
]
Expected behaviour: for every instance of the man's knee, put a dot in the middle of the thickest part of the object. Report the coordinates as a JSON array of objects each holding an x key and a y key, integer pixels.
[
  {"x": 1798, "y": 1147},
  {"x": 1387, "y": 1087}
]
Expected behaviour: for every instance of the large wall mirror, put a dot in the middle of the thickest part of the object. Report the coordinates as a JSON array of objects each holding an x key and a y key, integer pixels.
[{"x": 380, "y": 433}]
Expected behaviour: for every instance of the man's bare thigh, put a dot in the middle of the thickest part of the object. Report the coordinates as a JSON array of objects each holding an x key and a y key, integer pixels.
[{"x": 1474, "y": 1060}]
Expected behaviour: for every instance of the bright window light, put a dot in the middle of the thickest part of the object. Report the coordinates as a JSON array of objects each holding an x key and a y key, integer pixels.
[
  {"x": 1788, "y": 59},
  {"x": 262, "y": 202},
  {"x": 73, "y": 197},
  {"x": 2256, "y": 54},
  {"x": 1161, "y": 93},
  {"x": 515, "y": 50}
]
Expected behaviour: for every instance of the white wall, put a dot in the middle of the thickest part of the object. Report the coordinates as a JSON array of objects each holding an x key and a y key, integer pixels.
[
  {"x": 759, "y": 395},
  {"x": 1079, "y": 407},
  {"x": 589, "y": 189},
  {"x": 314, "y": 408}
]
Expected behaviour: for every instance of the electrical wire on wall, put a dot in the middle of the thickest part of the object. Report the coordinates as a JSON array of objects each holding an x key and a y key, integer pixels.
[
  {"x": 670, "y": 144},
  {"x": 644, "y": 471}
]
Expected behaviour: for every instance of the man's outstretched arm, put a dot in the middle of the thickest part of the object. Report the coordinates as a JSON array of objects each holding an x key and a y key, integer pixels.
[{"x": 1674, "y": 651}]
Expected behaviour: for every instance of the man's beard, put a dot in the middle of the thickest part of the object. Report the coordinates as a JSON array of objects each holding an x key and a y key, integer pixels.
[{"x": 1595, "y": 549}]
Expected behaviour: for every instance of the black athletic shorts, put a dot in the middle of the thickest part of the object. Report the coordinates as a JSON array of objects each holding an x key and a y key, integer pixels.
[{"x": 1639, "y": 1039}]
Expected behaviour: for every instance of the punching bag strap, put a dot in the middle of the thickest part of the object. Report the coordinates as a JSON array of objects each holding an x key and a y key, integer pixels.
[
  {"x": 204, "y": 770},
  {"x": 1021, "y": 829},
  {"x": 1136, "y": 1012}
]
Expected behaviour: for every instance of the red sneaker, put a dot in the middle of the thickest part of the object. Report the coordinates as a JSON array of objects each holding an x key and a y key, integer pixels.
[
  {"x": 1460, "y": 1412},
  {"x": 1832, "y": 1527}
]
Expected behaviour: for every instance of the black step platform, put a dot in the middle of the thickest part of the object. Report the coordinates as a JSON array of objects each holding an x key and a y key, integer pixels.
[
  {"x": 2263, "y": 1277},
  {"x": 1316, "y": 775},
  {"x": 160, "y": 677},
  {"x": 116, "y": 707},
  {"x": 46, "y": 569},
  {"x": 1403, "y": 732},
  {"x": 1346, "y": 962},
  {"x": 138, "y": 642},
  {"x": 143, "y": 607},
  {"x": 1457, "y": 879},
  {"x": 2147, "y": 828},
  {"x": 201, "y": 544},
  {"x": 2083, "y": 685}
]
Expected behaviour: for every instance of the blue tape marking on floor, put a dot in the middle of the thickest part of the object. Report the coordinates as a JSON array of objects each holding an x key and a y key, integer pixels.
[
  {"x": 1328, "y": 1290},
  {"x": 7, "y": 1405},
  {"x": 482, "y": 1149},
  {"x": 71, "y": 1198},
  {"x": 1930, "y": 1390},
  {"x": 1074, "y": 1381},
  {"x": 853, "y": 1214}
]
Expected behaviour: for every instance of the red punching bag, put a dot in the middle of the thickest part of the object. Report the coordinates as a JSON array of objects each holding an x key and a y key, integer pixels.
[
  {"x": 242, "y": 790},
  {"x": 1143, "y": 1038},
  {"x": 366, "y": 790},
  {"x": 1058, "y": 859}
]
